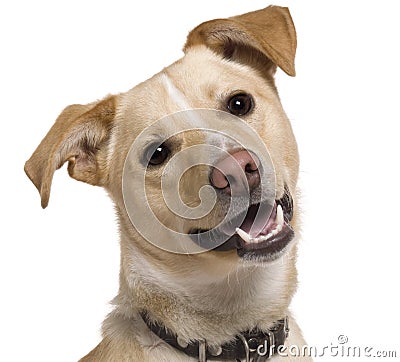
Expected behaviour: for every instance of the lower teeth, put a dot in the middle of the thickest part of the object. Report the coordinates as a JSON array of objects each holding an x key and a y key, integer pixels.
[{"x": 279, "y": 221}]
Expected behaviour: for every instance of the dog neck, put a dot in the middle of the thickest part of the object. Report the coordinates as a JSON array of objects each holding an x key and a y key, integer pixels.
[{"x": 194, "y": 306}]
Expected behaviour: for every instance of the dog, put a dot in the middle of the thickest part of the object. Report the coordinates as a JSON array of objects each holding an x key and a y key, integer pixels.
[{"x": 214, "y": 286}]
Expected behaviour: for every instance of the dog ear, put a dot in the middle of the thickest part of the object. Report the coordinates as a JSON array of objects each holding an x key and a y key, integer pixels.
[
  {"x": 78, "y": 136},
  {"x": 265, "y": 39}
]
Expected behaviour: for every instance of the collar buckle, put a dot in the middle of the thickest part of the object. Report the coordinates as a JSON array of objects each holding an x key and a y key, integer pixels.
[
  {"x": 286, "y": 326},
  {"x": 202, "y": 350}
]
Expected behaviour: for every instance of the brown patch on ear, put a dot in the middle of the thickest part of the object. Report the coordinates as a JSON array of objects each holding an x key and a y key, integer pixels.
[
  {"x": 78, "y": 136},
  {"x": 268, "y": 33}
]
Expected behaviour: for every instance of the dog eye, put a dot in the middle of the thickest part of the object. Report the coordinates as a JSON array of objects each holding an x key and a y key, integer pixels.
[
  {"x": 157, "y": 155},
  {"x": 240, "y": 104}
]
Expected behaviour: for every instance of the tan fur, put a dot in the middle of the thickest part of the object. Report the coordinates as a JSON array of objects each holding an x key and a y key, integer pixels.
[{"x": 211, "y": 294}]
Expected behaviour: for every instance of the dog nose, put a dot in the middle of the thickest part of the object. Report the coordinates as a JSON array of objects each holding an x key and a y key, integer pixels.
[{"x": 236, "y": 174}]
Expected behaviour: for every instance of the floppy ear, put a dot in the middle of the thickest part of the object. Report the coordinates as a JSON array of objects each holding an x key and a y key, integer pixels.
[
  {"x": 79, "y": 136},
  {"x": 264, "y": 39}
]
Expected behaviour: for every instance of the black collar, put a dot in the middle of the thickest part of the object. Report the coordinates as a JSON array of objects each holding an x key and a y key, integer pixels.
[{"x": 245, "y": 346}]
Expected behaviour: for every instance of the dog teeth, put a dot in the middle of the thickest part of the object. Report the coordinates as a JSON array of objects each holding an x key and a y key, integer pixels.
[
  {"x": 279, "y": 220},
  {"x": 279, "y": 216},
  {"x": 246, "y": 237}
]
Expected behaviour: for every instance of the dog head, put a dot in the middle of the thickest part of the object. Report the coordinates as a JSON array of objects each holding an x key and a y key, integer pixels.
[{"x": 202, "y": 151}]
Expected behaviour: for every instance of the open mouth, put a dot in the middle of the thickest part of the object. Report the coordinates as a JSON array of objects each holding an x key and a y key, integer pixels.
[{"x": 255, "y": 232}]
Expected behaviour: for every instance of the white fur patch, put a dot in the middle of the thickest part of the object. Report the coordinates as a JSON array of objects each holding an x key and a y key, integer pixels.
[
  {"x": 192, "y": 119},
  {"x": 174, "y": 93}
]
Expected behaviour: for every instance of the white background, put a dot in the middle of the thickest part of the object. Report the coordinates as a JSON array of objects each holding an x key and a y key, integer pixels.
[{"x": 59, "y": 267}]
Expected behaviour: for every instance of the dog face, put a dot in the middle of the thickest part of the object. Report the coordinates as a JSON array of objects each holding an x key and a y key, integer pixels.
[{"x": 228, "y": 68}]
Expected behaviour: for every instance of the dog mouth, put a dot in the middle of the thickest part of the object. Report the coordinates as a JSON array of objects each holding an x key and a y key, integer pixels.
[{"x": 263, "y": 230}]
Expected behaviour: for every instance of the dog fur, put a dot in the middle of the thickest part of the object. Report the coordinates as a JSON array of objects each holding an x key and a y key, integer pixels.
[{"x": 214, "y": 294}]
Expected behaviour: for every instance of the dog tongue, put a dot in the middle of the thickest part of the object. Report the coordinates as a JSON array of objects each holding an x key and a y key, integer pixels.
[{"x": 260, "y": 220}]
